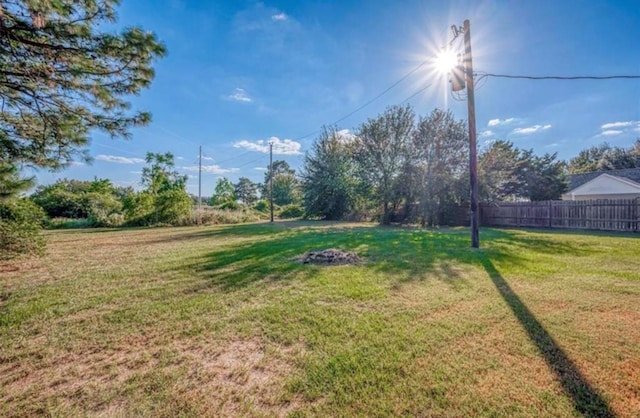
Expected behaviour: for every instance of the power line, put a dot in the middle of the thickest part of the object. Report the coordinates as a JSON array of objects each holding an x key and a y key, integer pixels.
[
  {"x": 416, "y": 93},
  {"x": 385, "y": 91},
  {"x": 549, "y": 77}
]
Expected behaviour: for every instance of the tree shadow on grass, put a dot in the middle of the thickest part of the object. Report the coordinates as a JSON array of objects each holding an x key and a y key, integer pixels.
[
  {"x": 408, "y": 255},
  {"x": 585, "y": 398},
  {"x": 270, "y": 256}
]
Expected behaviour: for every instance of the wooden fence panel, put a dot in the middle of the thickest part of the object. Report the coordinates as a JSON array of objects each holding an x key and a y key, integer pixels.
[{"x": 605, "y": 215}]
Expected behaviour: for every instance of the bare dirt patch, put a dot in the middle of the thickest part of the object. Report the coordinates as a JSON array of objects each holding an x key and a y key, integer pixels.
[
  {"x": 214, "y": 378},
  {"x": 241, "y": 376}
]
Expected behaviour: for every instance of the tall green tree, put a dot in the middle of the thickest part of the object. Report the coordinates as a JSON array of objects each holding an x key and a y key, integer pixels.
[
  {"x": 544, "y": 176},
  {"x": 246, "y": 191},
  {"x": 160, "y": 174},
  {"x": 441, "y": 155},
  {"x": 588, "y": 159},
  {"x": 329, "y": 185},
  {"x": 509, "y": 173},
  {"x": 62, "y": 75},
  {"x": 500, "y": 169},
  {"x": 605, "y": 157},
  {"x": 165, "y": 198},
  {"x": 381, "y": 151},
  {"x": 225, "y": 192},
  {"x": 286, "y": 186}
]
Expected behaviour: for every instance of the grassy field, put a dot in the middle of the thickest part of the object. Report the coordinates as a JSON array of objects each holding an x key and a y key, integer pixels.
[{"x": 222, "y": 321}]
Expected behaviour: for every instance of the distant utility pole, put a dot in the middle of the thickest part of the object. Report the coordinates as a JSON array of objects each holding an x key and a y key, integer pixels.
[
  {"x": 271, "y": 178},
  {"x": 200, "y": 185},
  {"x": 471, "y": 108}
]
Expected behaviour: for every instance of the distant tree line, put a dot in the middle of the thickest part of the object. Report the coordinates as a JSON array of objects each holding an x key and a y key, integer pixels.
[
  {"x": 399, "y": 168},
  {"x": 163, "y": 199},
  {"x": 396, "y": 167},
  {"x": 605, "y": 157}
]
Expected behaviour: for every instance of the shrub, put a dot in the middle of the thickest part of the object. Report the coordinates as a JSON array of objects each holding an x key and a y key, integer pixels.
[
  {"x": 138, "y": 209},
  {"x": 68, "y": 223},
  {"x": 231, "y": 205},
  {"x": 173, "y": 207},
  {"x": 20, "y": 225},
  {"x": 217, "y": 217},
  {"x": 261, "y": 206},
  {"x": 103, "y": 209},
  {"x": 58, "y": 203},
  {"x": 291, "y": 211}
]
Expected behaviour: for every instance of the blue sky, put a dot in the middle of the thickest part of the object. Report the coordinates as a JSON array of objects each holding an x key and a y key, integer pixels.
[{"x": 240, "y": 73}]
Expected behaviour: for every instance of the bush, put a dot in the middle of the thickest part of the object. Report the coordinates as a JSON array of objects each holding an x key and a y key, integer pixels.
[
  {"x": 68, "y": 223},
  {"x": 20, "y": 225},
  {"x": 103, "y": 209},
  {"x": 231, "y": 205},
  {"x": 60, "y": 203},
  {"x": 217, "y": 216},
  {"x": 261, "y": 206},
  {"x": 138, "y": 209},
  {"x": 291, "y": 211},
  {"x": 173, "y": 207}
]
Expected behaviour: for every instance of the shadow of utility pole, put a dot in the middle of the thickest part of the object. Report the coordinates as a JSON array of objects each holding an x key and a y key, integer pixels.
[{"x": 586, "y": 399}]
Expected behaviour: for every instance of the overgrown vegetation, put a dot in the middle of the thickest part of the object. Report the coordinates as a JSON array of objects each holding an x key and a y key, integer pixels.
[
  {"x": 220, "y": 321},
  {"x": 20, "y": 220},
  {"x": 21, "y": 224}
]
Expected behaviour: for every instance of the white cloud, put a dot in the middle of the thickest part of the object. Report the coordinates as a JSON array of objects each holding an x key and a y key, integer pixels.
[
  {"x": 530, "y": 130},
  {"x": 498, "y": 122},
  {"x": 213, "y": 169},
  {"x": 614, "y": 125},
  {"x": 260, "y": 168},
  {"x": 76, "y": 164},
  {"x": 207, "y": 158},
  {"x": 240, "y": 95},
  {"x": 345, "y": 136},
  {"x": 280, "y": 147},
  {"x": 119, "y": 160},
  {"x": 619, "y": 128},
  {"x": 280, "y": 17},
  {"x": 486, "y": 133}
]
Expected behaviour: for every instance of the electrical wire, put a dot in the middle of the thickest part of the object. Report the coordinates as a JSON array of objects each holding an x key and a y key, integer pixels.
[
  {"x": 416, "y": 93},
  {"x": 529, "y": 77},
  {"x": 385, "y": 91}
]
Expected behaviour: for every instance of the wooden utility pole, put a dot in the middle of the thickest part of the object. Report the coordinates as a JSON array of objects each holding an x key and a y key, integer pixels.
[
  {"x": 473, "y": 151},
  {"x": 271, "y": 178},
  {"x": 200, "y": 179},
  {"x": 200, "y": 186}
]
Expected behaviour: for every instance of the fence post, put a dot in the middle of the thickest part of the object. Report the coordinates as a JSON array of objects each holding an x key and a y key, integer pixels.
[{"x": 549, "y": 209}]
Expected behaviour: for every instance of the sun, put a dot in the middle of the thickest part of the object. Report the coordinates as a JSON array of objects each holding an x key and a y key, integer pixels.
[{"x": 445, "y": 61}]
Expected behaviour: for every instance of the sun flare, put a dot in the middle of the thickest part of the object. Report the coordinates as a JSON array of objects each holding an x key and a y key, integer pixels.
[{"x": 445, "y": 61}]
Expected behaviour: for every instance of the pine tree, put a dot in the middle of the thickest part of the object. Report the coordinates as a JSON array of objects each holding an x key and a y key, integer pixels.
[{"x": 61, "y": 77}]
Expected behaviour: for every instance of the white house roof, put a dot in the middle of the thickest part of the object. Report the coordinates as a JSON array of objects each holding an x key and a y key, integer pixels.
[{"x": 606, "y": 184}]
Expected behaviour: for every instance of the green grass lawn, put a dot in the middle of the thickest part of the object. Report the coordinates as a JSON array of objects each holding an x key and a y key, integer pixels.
[{"x": 222, "y": 321}]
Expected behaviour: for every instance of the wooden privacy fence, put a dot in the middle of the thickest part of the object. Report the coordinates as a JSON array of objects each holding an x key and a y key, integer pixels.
[{"x": 606, "y": 215}]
